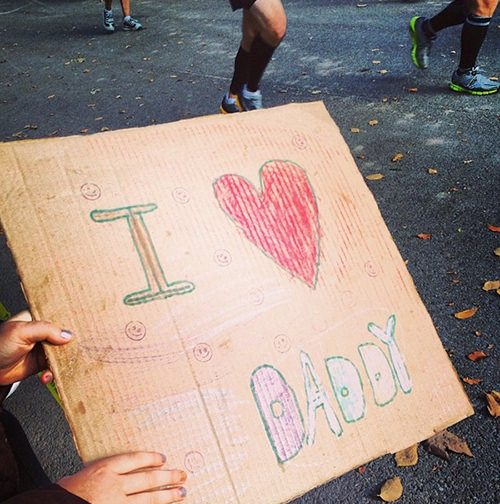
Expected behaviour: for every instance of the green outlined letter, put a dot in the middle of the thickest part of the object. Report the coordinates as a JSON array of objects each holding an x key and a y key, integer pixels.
[
  {"x": 348, "y": 388},
  {"x": 158, "y": 287},
  {"x": 398, "y": 361},
  {"x": 317, "y": 397},
  {"x": 379, "y": 373},
  {"x": 279, "y": 411}
]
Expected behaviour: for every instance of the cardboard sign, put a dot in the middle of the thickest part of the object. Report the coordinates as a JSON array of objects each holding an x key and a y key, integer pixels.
[{"x": 236, "y": 299}]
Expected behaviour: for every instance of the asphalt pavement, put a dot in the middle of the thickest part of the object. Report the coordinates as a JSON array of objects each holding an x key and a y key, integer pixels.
[{"x": 438, "y": 151}]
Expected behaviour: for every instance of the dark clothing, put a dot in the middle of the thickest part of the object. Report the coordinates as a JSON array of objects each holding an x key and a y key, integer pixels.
[
  {"x": 241, "y": 4},
  {"x": 20, "y": 471},
  {"x": 52, "y": 494}
]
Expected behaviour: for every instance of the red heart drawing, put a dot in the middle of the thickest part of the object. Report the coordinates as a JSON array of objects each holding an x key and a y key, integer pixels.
[{"x": 282, "y": 220}]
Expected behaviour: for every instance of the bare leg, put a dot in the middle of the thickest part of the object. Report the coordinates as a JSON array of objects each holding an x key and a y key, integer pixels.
[
  {"x": 263, "y": 28},
  {"x": 268, "y": 19},
  {"x": 125, "y": 7}
]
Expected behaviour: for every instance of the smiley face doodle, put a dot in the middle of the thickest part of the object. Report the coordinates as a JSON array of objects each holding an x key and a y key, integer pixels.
[
  {"x": 222, "y": 257},
  {"x": 135, "y": 330},
  {"x": 282, "y": 343},
  {"x": 372, "y": 268},
  {"x": 194, "y": 461},
  {"x": 299, "y": 142},
  {"x": 180, "y": 195},
  {"x": 90, "y": 191},
  {"x": 202, "y": 352},
  {"x": 256, "y": 296}
]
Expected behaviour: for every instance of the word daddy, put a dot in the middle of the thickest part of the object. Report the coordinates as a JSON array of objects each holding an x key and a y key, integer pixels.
[{"x": 280, "y": 411}]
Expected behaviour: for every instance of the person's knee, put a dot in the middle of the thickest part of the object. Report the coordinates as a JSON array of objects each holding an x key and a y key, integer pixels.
[
  {"x": 275, "y": 33},
  {"x": 482, "y": 8}
]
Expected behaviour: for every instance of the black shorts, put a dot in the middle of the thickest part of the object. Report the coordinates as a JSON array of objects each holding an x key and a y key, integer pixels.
[{"x": 241, "y": 4}]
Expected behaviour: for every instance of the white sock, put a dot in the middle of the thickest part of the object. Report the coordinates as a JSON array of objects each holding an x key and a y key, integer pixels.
[{"x": 250, "y": 94}]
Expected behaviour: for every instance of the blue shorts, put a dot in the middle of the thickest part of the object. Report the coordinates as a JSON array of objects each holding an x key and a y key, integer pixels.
[{"x": 241, "y": 4}]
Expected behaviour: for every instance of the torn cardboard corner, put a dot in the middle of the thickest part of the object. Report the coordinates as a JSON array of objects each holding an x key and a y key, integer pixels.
[{"x": 236, "y": 298}]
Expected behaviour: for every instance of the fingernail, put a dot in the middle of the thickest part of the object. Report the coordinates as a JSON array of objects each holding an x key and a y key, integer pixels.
[
  {"x": 46, "y": 377},
  {"x": 66, "y": 334},
  {"x": 163, "y": 458},
  {"x": 182, "y": 491},
  {"x": 183, "y": 476}
]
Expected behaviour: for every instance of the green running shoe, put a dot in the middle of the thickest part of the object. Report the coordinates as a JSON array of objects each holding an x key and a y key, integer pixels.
[
  {"x": 473, "y": 82},
  {"x": 421, "y": 43}
]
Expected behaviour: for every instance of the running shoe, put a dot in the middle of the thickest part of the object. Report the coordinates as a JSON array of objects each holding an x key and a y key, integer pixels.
[
  {"x": 250, "y": 100},
  {"x": 108, "y": 21},
  {"x": 473, "y": 82},
  {"x": 421, "y": 43},
  {"x": 129, "y": 23},
  {"x": 229, "y": 105}
]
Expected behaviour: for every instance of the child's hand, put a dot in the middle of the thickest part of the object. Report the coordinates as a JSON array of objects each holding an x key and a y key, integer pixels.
[
  {"x": 21, "y": 354},
  {"x": 130, "y": 478}
]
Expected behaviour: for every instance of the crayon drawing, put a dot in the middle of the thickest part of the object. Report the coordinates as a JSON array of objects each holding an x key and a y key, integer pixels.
[{"x": 281, "y": 219}]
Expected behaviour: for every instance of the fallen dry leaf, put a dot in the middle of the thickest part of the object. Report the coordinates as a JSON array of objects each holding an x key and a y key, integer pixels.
[
  {"x": 472, "y": 381},
  {"x": 491, "y": 285},
  {"x": 391, "y": 490},
  {"x": 355, "y": 130},
  {"x": 397, "y": 157},
  {"x": 432, "y": 171},
  {"x": 497, "y": 251},
  {"x": 373, "y": 122},
  {"x": 465, "y": 314},
  {"x": 493, "y": 400},
  {"x": 413, "y": 90},
  {"x": 445, "y": 441},
  {"x": 374, "y": 176},
  {"x": 495, "y": 229},
  {"x": 477, "y": 355},
  {"x": 424, "y": 236},
  {"x": 407, "y": 457}
]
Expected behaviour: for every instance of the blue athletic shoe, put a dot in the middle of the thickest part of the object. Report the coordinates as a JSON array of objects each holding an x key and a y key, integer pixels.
[
  {"x": 250, "y": 100},
  {"x": 129, "y": 23},
  {"x": 473, "y": 82},
  {"x": 229, "y": 105},
  {"x": 108, "y": 21}
]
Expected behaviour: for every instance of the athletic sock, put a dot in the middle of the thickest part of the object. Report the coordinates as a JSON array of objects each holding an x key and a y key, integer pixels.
[
  {"x": 260, "y": 56},
  {"x": 453, "y": 14},
  {"x": 241, "y": 67},
  {"x": 472, "y": 38}
]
